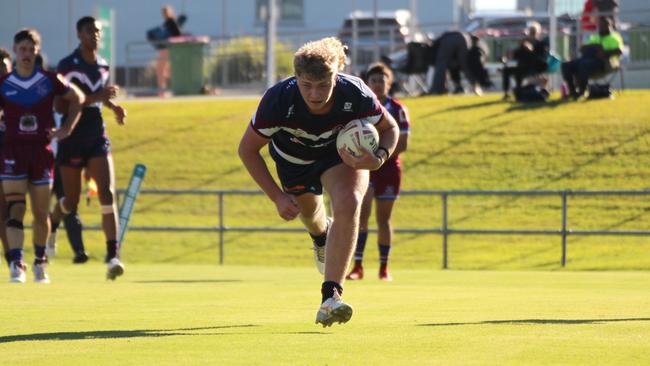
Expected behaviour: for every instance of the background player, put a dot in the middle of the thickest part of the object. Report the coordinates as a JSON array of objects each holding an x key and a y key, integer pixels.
[
  {"x": 27, "y": 97},
  {"x": 5, "y": 68},
  {"x": 88, "y": 146},
  {"x": 385, "y": 182},
  {"x": 299, "y": 118}
]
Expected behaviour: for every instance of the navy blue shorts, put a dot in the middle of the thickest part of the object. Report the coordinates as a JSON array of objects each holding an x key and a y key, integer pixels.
[
  {"x": 297, "y": 179},
  {"x": 77, "y": 153}
]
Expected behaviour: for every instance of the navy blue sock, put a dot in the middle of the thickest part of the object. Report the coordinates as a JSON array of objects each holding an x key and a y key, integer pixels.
[
  {"x": 55, "y": 226},
  {"x": 39, "y": 253},
  {"x": 15, "y": 255},
  {"x": 384, "y": 251},
  {"x": 327, "y": 290},
  {"x": 111, "y": 249},
  {"x": 73, "y": 228},
  {"x": 362, "y": 237}
]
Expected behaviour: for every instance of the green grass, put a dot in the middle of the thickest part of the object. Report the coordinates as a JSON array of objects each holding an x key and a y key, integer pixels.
[
  {"x": 456, "y": 143},
  {"x": 233, "y": 315}
]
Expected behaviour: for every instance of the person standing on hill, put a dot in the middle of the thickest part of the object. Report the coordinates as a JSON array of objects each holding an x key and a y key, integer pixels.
[
  {"x": 299, "y": 119},
  {"x": 384, "y": 182},
  {"x": 172, "y": 29},
  {"x": 27, "y": 98},
  {"x": 89, "y": 147}
]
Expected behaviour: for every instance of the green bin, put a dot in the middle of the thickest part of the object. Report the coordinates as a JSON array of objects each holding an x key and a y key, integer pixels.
[{"x": 186, "y": 58}]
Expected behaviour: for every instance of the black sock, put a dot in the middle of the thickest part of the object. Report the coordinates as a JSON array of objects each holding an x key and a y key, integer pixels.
[
  {"x": 7, "y": 258},
  {"x": 111, "y": 249},
  {"x": 55, "y": 226},
  {"x": 327, "y": 290},
  {"x": 319, "y": 240},
  {"x": 73, "y": 228}
]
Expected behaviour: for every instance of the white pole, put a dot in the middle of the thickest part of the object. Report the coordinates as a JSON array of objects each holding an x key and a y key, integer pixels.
[
  {"x": 222, "y": 43},
  {"x": 413, "y": 25},
  {"x": 552, "y": 34},
  {"x": 375, "y": 15},
  {"x": 355, "y": 38},
  {"x": 271, "y": 30}
]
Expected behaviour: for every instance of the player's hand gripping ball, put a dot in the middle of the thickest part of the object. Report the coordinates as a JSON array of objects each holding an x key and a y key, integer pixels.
[{"x": 356, "y": 135}]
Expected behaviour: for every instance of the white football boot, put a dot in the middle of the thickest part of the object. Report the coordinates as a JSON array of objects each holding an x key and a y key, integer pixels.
[
  {"x": 17, "y": 272},
  {"x": 333, "y": 310},
  {"x": 40, "y": 276},
  {"x": 115, "y": 269}
]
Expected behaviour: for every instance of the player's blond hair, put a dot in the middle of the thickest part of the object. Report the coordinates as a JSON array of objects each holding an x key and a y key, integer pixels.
[{"x": 320, "y": 59}]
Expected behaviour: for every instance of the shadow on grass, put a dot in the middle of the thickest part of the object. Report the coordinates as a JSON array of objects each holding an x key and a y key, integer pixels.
[
  {"x": 535, "y": 105},
  {"x": 540, "y": 321},
  {"x": 187, "y": 281},
  {"x": 108, "y": 334}
]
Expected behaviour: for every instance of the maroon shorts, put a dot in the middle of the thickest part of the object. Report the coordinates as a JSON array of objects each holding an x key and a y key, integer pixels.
[
  {"x": 386, "y": 180},
  {"x": 34, "y": 162}
]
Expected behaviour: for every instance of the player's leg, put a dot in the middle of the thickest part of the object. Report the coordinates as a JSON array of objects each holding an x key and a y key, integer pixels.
[
  {"x": 71, "y": 221},
  {"x": 39, "y": 196},
  {"x": 100, "y": 168},
  {"x": 346, "y": 187},
  {"x": 15, "y": 191},
  {"x": 314, "y": 216},
  {"x": 71, "y": 181},
  {"x": 3, "y": 227},
  {"x": 384, "y": 235},
  {"x": 364, "y": 217}
]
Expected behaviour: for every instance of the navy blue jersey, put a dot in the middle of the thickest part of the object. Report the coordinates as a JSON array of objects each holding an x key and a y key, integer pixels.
[
  {"x": 90, "y": 79},
  {"x": 301, "y": 137}
]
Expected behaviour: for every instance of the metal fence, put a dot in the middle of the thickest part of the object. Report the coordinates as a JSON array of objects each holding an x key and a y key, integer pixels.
[{"x": 445, "y": 230}]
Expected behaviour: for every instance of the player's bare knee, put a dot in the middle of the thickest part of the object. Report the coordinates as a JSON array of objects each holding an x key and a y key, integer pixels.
[
  {"x": 68, "y": 204},
  {"x": 15, "y": 206},
  {"x": 106, "y": 196}
]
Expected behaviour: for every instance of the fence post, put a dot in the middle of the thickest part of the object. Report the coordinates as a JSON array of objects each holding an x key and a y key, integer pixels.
[
  {"x": 564, "y": 226},
  {"x": 221, "y": 228},
  {"x": 444, "y": 231}
]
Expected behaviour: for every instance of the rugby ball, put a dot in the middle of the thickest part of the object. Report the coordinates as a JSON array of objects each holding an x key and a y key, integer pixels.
[{"x": 356, "y": 135}]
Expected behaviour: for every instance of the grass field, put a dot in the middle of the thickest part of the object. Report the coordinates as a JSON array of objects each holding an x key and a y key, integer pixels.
[
  {"x": 174, "y": 306},
  {"x": 232, "y": 315},
  {"x": 456, "y": 143}
]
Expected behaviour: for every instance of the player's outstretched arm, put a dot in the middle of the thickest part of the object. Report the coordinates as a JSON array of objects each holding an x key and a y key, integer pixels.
[
  {"x": 75, "y": 98},
  {"x": 249, "y": 153}
]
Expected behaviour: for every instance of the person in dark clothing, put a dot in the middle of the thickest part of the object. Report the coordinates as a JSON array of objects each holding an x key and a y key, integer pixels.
[
  {"x": 450, "y": 51},
  {"x": 607, "y": 8},
  {"x": 601, "y": 54},
  {"x": 476, "y": 58},
  {"x": 172, "y": 29},
  {"x": 531, "y": 59}
]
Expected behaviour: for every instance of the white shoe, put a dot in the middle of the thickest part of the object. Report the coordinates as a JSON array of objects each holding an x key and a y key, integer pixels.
[
  {"x": 115, "y": 269},
  {"x": 40, "y": 276},
  {"x": 319, "y": 252},
  {"x": 50, "y": 247},
  {"x": 333, "y": 310},
  {"x": 17, "y": 272}
]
